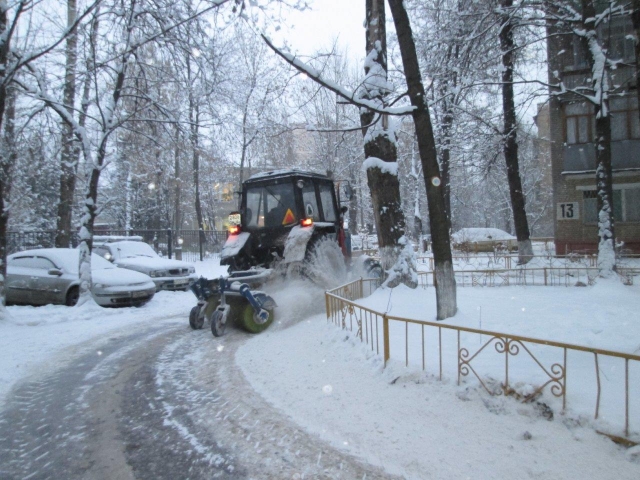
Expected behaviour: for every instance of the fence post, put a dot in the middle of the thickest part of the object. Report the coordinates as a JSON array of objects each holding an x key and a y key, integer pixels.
[
  {"x": 385, "y": 334},
  {"x": 200, "y": 236},
  {"x": 169, "y": 243},
  {"x": 545, "y": 276}
]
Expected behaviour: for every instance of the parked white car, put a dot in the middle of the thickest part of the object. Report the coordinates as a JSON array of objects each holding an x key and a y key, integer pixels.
[
  {"x": 50, "y": 275},
  {"x": 135, "y": 255}
]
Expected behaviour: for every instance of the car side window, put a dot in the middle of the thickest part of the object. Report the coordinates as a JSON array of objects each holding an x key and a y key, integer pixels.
[{"x": 32, "y": 262}]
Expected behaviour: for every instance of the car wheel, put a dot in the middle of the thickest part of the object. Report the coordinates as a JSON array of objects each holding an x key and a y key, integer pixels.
[
  {"x": 249, "y": 318},
  {"x": 72, "y": 297}
]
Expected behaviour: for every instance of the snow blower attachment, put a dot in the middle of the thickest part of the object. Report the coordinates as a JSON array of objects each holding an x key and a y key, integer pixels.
[{"x": 233, "y": 298}]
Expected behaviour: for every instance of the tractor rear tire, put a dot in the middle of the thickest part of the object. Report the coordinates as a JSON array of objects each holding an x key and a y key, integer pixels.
[{"x": 248, "y": 320}]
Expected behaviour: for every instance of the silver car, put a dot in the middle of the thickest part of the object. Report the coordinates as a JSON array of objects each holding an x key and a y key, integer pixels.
[
  {"x": 50, "y": 275},
  {"x": 135, "y": 255}
]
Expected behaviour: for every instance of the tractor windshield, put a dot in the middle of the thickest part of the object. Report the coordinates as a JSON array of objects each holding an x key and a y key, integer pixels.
[{"x": 270, "y": 206}]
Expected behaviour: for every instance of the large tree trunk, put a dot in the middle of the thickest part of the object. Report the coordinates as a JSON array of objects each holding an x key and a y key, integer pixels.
[
  {"x": 5, "y": 155},
  {"x": 379, "y": 150},
  {"x": 510, "y": 141},
  {"x": 69, "y": 154},
  {"x": 444, "y": 276},
  {"x": 8, "y": 157},
  {"x": 604, "y": 176}
]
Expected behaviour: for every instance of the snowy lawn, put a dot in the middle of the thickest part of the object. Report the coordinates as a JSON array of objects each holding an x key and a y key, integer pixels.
[{"x": 408, "y": 422}]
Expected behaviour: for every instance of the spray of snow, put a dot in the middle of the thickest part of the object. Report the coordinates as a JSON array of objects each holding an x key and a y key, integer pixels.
[{"x": 325, "y": 265}]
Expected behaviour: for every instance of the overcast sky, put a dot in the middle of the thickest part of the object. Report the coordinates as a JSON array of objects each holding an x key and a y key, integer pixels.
[{"x": 329, "y": 19}]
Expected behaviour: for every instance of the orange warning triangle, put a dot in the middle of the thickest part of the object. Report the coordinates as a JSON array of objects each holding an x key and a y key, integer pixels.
[{"x": 289, "y": 217}]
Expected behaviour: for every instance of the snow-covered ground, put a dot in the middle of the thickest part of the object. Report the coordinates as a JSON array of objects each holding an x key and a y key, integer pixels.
[
  {"x": 35, "y": 338},
  {"x": 400, "y": 418}
]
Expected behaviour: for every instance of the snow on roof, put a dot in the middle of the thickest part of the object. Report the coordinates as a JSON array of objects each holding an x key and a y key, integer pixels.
[
  {"x": 67, "y": 258},
  {"x": 115, "y": 238},
  {"x": 480, "y": 235},
  {"x": 276, "y": 173}
]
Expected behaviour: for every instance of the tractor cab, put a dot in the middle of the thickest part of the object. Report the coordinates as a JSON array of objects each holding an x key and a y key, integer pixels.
[{"x": 282, "y": 215}]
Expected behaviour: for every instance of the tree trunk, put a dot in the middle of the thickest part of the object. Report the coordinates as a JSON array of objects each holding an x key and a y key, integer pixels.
[
  {"x": 604, "y": 176},
  {"x": 5, "y": 155},
  {"x": 510, "y": 141},
  {"x": 177, "y": 220},
  {"x": 69, "y": 154},
  {"x": 445, "y": 161},
  {"x": 8, "y": 157},
  {"x": 380, "y": 149},
  {"x": 604, "y": 186},
  {"x": 444, "y": 276}
]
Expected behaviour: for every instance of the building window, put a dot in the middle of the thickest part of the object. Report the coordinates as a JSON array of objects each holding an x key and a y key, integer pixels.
[
  {"x": 579, "y": 123},
  {"x": 624, "y": 118},
  {"x": 223, "y": 192},
  {"x": 626, "y": 205},
  {"x": 620, "y": 36}
]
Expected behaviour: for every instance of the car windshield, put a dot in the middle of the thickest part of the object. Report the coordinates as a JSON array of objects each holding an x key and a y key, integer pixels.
[
  {"x": 99, "y": 263},
  {"x": 135, "y": 249}
]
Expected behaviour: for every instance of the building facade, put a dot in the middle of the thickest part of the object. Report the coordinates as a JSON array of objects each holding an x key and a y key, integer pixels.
[{"x": 571, "y": 134}]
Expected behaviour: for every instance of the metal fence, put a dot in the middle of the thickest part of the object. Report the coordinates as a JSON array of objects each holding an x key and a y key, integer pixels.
[
  {"x": 497, "y": 261},
  {"x": 189, "y": 245},
  {"x": 575, "y": 276},
  {"x": 432, "y": 345}
]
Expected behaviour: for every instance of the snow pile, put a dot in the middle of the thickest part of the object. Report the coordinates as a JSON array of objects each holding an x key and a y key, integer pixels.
[
  {"x": 385, "y": 167},
  {"x": 234, "y": 244},
  {"x": 404, "y": 269},
  {"x": 296, "y": 244}
]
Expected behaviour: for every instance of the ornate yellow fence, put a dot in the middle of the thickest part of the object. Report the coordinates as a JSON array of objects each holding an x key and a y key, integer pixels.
[{"x": 425, "y": 343}]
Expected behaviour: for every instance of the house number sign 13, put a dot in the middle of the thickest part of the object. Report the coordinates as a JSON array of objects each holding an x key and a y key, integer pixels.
[{"x": 568, "y": 211}]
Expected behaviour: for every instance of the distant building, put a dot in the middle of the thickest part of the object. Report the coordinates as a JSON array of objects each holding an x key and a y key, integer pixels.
[{"x": 571, "y": 133}]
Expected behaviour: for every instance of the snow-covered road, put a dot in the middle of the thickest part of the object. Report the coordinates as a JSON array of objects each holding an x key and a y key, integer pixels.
[{"x": 134, "y": 393}]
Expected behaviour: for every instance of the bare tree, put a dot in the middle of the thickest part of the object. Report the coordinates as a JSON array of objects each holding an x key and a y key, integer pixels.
[
  {"x": 381, "y": 156},
  {"x": 69, "y": 154},
  {"x": 510, "y": 141},
  {"x": 444, "y": 276},
  {"x": 12, "y": 61}
]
